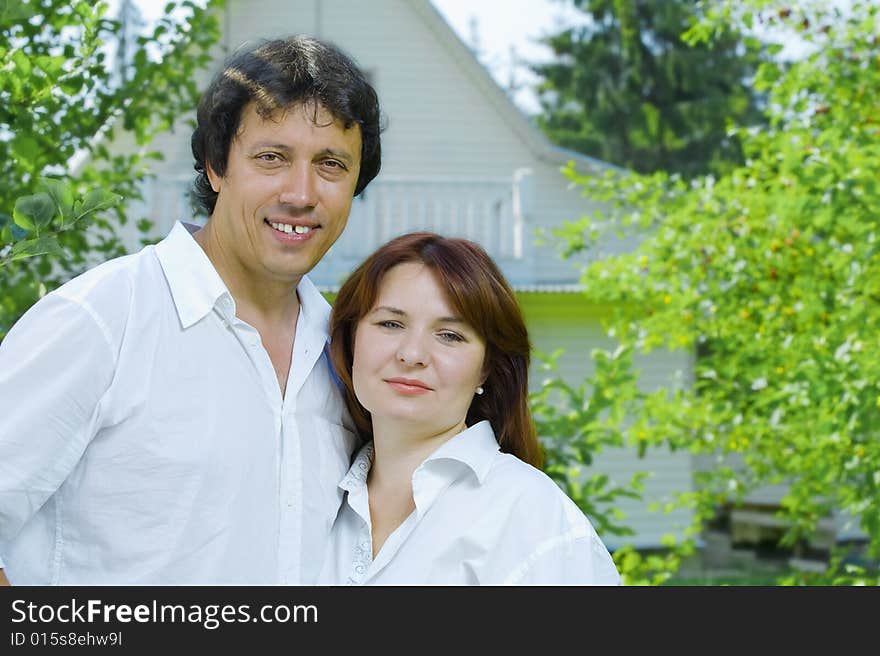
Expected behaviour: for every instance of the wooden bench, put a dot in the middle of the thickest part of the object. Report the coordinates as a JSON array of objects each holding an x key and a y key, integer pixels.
[{"x": 756, "y": 524}]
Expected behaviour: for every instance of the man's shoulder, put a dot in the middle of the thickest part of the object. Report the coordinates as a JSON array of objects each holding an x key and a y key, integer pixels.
[{"x": 107, "y": 285}]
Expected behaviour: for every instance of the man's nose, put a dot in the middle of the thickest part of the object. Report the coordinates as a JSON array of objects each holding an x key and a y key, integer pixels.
[{"x": 300, "y": 186}]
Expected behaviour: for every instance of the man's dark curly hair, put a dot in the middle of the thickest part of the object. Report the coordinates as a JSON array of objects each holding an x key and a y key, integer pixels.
[{"x": 275, "y": 75}]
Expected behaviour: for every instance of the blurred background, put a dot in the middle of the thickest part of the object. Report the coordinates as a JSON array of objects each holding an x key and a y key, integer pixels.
[{"x": 684, "y": 196}]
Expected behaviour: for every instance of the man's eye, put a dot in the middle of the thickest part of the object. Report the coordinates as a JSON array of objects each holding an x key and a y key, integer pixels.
[
  {"x": 334, "y": 164},
  {"x": 268, "y": 157}
]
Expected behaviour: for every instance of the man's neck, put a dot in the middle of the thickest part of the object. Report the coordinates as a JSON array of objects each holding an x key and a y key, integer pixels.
[
  {"x": 259, "y": 300},
  {"x": 271, "y": 306}
]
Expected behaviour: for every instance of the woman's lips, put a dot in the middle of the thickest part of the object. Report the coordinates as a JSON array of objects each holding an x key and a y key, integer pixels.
[{"x": 408, "y": 386}]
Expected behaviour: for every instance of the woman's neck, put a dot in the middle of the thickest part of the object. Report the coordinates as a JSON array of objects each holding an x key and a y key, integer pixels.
[{"x": 399, "y": 449}]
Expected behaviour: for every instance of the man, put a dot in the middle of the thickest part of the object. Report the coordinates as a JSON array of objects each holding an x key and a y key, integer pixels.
[{"x": 170, "y": 417}]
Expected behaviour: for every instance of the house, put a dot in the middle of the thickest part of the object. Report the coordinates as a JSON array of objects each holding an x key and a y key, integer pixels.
[{"x": 458, "y": 158}]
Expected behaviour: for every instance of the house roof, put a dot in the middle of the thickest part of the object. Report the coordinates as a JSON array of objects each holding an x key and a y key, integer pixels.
[
  {"x": 447, "y": 37},
  {"x": 536, "y": 141}
]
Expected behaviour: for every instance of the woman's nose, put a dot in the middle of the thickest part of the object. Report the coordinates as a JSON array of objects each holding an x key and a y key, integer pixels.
[{"x": 412, "y": 352}]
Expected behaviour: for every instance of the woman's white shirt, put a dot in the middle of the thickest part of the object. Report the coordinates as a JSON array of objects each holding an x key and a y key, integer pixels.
[{"x": 482, "y": 517}]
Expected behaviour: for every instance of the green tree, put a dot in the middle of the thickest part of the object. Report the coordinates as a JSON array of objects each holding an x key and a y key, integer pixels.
[
  {"x": 771, "y": 273},
  {"x": 58, "y": 101},
  {"x": 623, "y": 87}
]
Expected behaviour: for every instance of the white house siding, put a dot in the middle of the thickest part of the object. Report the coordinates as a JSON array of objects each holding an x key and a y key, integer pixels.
[
  {"x": 442, "y": 111},
  {"x": 453, "y": 143},
  {"x": 566, "y": 321}
]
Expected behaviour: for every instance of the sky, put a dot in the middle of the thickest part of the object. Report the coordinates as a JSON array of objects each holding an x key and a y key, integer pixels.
[{"x": 500, "y": 25}]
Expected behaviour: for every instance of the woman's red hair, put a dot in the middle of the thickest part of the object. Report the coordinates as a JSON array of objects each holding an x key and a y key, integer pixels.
[{"x": 477, "y": 290}]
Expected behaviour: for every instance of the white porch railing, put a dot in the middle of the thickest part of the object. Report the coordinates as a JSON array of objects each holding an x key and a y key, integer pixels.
[
  {"x": 481, "y": 209},
  {"x": 488, "y": 210}
]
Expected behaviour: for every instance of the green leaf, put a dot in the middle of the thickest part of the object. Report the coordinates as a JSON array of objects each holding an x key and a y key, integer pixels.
[
  {"x": 15, "y": 11},
  {"x": 34, "y": 212},
  {"x": 34, "y": 247},
  {"x": 25, "y": 147},
  {"x": 62, "y": 195},
  {"x": 22, "y": 62},
  {"x": 96, "y": 201},
  {"x": 72, "y": 85},
  {"x": 9, "y": 232}
]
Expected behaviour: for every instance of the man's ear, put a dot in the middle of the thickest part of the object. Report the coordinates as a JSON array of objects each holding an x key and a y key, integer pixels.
[{"x": 213, "y": 178}]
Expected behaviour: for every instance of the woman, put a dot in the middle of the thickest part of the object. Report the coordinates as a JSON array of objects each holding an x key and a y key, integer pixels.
[{"x": 433, "y": 354}]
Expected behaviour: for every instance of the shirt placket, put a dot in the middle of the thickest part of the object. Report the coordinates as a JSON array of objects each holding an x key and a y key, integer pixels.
[
  {"x": 363, "y": 556},
  {"x": 307, "y": 347},
  {"x": 252, "y": 344},
  {"x": 290, "y": 525}
]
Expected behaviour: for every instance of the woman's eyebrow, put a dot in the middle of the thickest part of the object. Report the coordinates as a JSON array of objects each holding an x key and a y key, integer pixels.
[
  {"x": 387, "y": 308},
  {"x": 401, "y": 313}
]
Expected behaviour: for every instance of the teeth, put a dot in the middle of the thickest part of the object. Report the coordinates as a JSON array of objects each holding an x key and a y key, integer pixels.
[{"x": 287, "y": 228}]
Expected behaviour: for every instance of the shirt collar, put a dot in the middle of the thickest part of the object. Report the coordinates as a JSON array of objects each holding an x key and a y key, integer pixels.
[
  {"x": 194, "y": 282},
  {"x": 313, "y": 307},
  {"x": 360, "y": 468},
  {"x": 475, "y": 447},
  {"x": 196, "y": 286}
]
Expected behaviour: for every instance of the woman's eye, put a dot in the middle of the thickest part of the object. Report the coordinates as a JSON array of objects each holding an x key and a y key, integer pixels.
[
  {"x": 388, "y": 324},
  {"x": 447, "y": 336}
]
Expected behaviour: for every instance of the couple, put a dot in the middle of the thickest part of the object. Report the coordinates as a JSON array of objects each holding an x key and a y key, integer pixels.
[{"x": 194, "y": 414}]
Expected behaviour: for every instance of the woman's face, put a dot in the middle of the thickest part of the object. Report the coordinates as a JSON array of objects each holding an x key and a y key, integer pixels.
[{"x": 415, "y": 360}]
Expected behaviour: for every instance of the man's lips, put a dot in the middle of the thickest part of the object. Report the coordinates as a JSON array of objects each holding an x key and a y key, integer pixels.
[
  {"x": 292, "y": 232},
  {"x": 287, "y": 226}
]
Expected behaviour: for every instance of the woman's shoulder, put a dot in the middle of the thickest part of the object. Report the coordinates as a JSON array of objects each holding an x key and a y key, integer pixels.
[
  {"x": 532, "y": 491},
  {"x": 555, "y": 541},
  {"x": 507, "y": 468}
]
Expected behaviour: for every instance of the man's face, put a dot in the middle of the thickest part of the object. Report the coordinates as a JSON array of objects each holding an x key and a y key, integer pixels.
[{"x": 286, "y": 194}]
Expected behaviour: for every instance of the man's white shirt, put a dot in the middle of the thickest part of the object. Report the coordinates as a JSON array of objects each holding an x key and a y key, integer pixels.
[
  {"x": 482, "y": 517},
  {"x": 144, "y": 438}
]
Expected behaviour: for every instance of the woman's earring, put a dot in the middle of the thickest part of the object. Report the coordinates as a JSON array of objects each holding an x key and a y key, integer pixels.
[{"x": 479, "y": 390}]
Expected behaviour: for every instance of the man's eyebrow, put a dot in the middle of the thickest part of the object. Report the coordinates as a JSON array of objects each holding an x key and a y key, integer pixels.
[
  {"x": 338, "y": 154},
  {"x": 268, "y": 145},
  {"x": 284, "y": 148}
]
